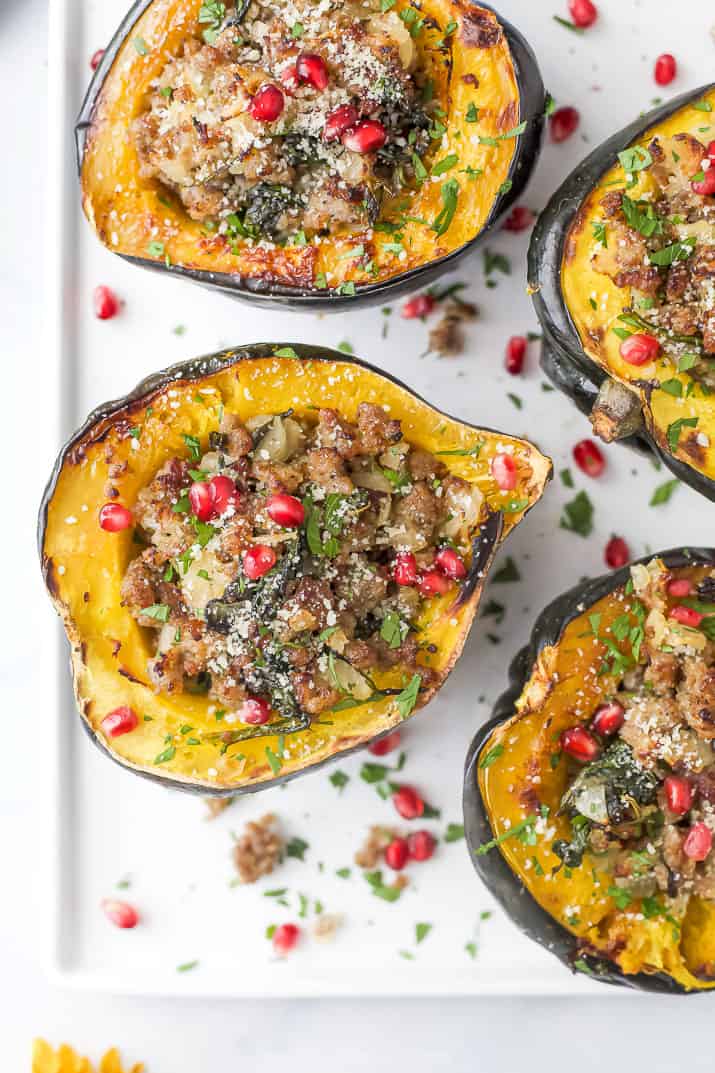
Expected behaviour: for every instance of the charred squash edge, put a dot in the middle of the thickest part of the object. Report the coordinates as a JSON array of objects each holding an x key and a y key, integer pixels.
[
  {"x": 563, "y": 358},
  {"x": 532, "y": 102},
  {"x": 484, "y": 546},
  {"x": 514, "y": 898}
]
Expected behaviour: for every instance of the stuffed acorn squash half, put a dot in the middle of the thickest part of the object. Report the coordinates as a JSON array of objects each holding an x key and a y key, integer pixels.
[
  {"x": 307, "y": 152},
  {"x": 622, "y": 270},
  {"x": 270, "y": 556},
  {"x": 590, "y": 796}
]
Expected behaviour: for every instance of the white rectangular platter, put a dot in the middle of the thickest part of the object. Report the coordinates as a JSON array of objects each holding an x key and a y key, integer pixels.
[{"x": 106, "y": 825}]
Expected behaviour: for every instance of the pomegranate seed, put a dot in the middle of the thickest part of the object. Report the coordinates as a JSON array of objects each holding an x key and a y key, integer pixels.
[
  {"x": 504, "y": 472},
  {"x": 705, "y": 186},
  {"x": 678, "y": 794},
  {"x": 515, "y": 354},
  {"x": 267, "y": 104},
  {"x": 432, "y": 583},
  {"x": 396, "y": 854},
  {"x": 617, "y": 553},
  {"x": 665, "y": 69},
  {"x": 698, "y": 842},
  {"x": 285, "y": 937},
  {"x": 113, "y": 517},
  {"x": 366, "y": 137},
  {"x": 96, "y": 59},
  {"x": 106, "y": 303},
  {"x": 580, "y": 743},
  {"x": 608, "y": 718},
  {"x": 519, "y": 219},
  {"x": 711, "y": 151},
  {"x": 563, "y": 123},
  {"x": 312, "y": 70},
  {"x": 686, "y": 616},
  {"x": 450, "y": 563},
  {"x": 589, "y": 458},
  {"x": 385, "y": 745},
  {"x": 421, "y": 845},
  {"x": 404, "y": 572},
  {"x": 285, "y": 510},
  {"x": 639, "y": 349},
  {"x": 679, "y": 587},
  {"x": 122, "y": 914},
  {"x": 289, "y": 78},
  {"x": 338, "y": 121},
  {"x": 120, "y": 721},
  {"x": 408, "y": 803},
  {"x": 257, "y": 561},
  {"x": 583, "y": 13},
  {"x": 201, "y": 500},
  {"x": 419, "y": 306},
  {"x": 224, "y": 493},
  {"x": 255, "y": 711}
]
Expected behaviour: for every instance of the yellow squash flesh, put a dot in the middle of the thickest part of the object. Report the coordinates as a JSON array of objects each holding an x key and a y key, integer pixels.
[
  {"x": 84, "y": 565},
  {"x": 582, "y": 285},
  {"x": 129, "y": 212},
  {"x": 565, "y": 688}
]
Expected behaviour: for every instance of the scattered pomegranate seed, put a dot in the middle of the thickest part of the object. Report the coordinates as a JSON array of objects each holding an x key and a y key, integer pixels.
[
  {"x": 686, "y": 616},
  {"x": 678, "y": 794},
  {"x": 105, "y": 302},
  {"x": 224, "y": 493},
  {"x": 405, "y": 570},
  {"x": 120, "y": 721},
  {"x": 421, "y": 845},
  {"x": 366, "y": 137},
  {"x": 258, "y": 560},
  {"x": 285, "y": 510},
  {"x": 201, "y": 500},
  {"x": 267, "y": 104},
  {"x": 583, "y": 13},
  {"x": 113, "y": 517},
  {"x": 450, "y": 563},
  {"x": 705, "y": 186},
  {"x": 96, "y": 59},
  {"x": 408, "y": 803},
  {"x": 285, "y": 938},
  {"x": 515, "y": 354},
  {"x": 617, "y": 553},
  {"x": 432, "y": 583},
  {"x": 312, "y": 70},
  {"x": 419, "y": 306},
  {"x": 289, "y": 78},
  {"x": 504, "y": 472},
  {"x": 589, "y": 458},
  {"x": 519, "y": 219},
  {"x": 385, "y": 745},
  {"x": 665, "y": 69},
  {"x": 608, "y": 718},
  {"x": 698, "y": 842},
  {"x": 255, "y": 711},
  {"x": 338, "y": 121},
  {"x": 396, "y": 854},
  {"x": 711, "y": 151},
  {"x": 580, "y": 743},
  {"x": 639, "y": 349},
  {"x": 563, "y": 123},
  {"x": 679, "y": 587},
  {"x": 122, "y": 914}
]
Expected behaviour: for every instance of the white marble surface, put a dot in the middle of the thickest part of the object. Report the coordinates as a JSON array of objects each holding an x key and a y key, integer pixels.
[{"x": 183, "y": 1036}]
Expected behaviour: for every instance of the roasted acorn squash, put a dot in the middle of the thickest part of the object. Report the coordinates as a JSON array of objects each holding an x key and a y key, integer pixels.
[
  {"x": 587, "y": 308},
  {"x": 515, "y": 814},
  {"x": 83, "y": 566},
  {"x": 486, "y": 96}
]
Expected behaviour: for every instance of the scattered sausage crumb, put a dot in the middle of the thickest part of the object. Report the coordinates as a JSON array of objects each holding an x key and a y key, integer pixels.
[
  {"x": 217, "y": 805},
  {"x": 325, "y": 927},
  {"x": 447, "y": 336},
  {"x": 373, "y": 848},
  {"x": 259, "y": 849}
]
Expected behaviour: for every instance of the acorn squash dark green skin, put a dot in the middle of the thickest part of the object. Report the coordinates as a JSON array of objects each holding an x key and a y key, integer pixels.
[
  {"x": 484, "y": 545},
  {"x": 263, "y": 293},
  {"x": 492, "y": 869},
  {"x": 563, "y": 358}
]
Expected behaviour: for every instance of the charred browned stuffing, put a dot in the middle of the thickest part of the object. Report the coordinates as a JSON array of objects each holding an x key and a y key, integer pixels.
[{"x": 643, "y": 806}]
